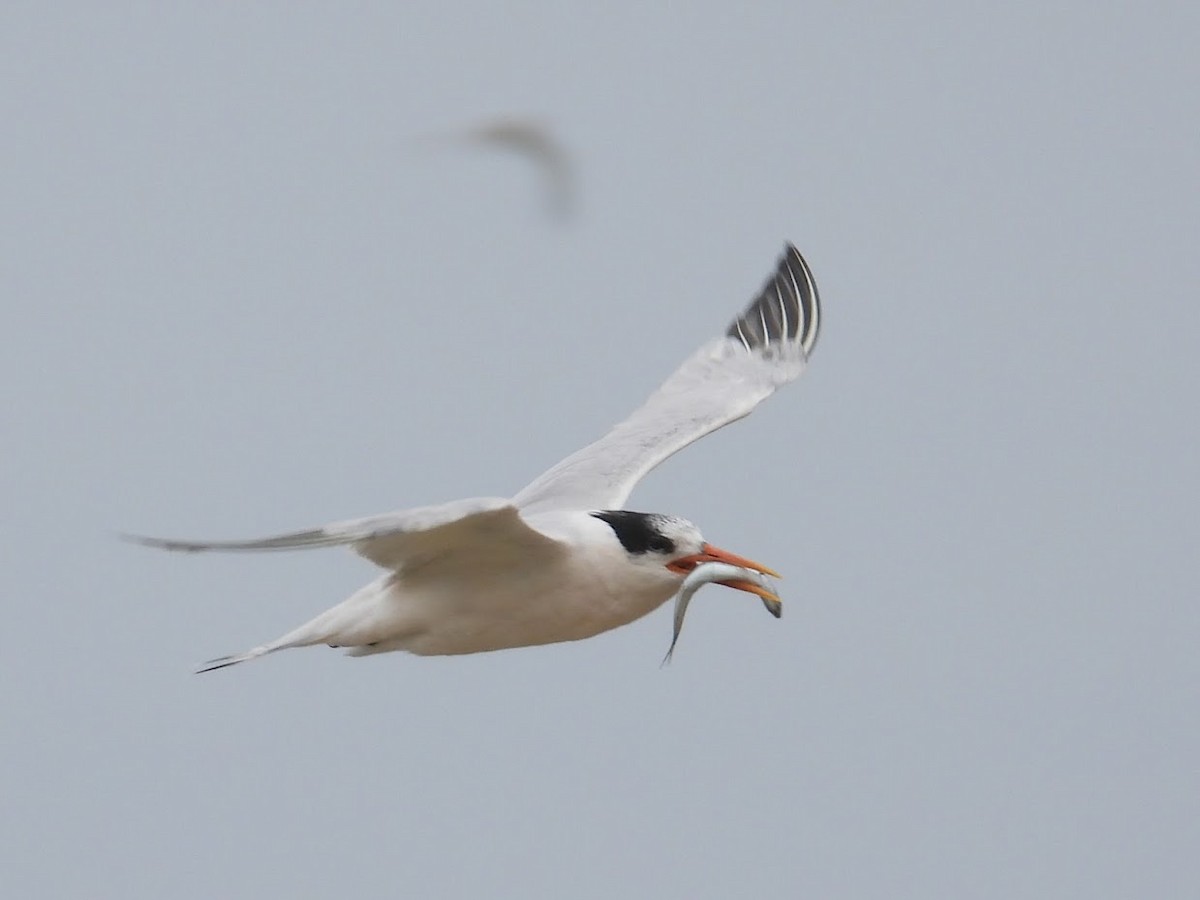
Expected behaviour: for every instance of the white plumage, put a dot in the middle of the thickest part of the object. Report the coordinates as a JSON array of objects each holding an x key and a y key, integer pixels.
[{"x": 561, "y": 560}]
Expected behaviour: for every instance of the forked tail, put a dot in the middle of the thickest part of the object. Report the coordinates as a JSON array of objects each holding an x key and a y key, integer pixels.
[{"x": 222, "y": 661}]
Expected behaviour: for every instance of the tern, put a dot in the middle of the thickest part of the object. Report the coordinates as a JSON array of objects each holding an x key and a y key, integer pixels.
[
  {"x": 534, "y": 141},
  {"x": 562, "y": 560},
  {"x": 537, "y": 143}
]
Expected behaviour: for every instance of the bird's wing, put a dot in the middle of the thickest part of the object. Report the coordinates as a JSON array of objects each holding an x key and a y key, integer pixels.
[
  {"x": 540, "y": 146},
  {"x": 531, "y": 139},
  {"x": 765, "y": 347},
  {"x": 481, "y": 530}
]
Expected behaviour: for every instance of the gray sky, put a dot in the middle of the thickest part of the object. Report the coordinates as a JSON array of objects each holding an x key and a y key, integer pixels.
[{"x": 237, "y": 300}]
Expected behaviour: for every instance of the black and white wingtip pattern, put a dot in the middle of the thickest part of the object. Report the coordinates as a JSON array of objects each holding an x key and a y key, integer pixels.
[{"x": 786, "y": 310}]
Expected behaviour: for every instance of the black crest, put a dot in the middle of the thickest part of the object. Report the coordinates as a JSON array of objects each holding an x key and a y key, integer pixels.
[{"x": 637, "y": 532}]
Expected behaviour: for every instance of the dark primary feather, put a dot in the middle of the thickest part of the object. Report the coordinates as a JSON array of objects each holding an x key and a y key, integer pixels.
[{"x": 786, "y": 309}]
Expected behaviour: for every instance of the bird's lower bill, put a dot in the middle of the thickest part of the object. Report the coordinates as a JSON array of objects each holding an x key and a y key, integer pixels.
[
  {"x": 709, "y": 553},
  {"x": 752, "y": 588}
]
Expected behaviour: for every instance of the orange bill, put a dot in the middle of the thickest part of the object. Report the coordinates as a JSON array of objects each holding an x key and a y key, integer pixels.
[{"x": 709, "y": 553}]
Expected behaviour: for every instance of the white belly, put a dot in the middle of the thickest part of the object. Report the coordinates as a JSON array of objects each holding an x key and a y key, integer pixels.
[
  {"x": 455, "y": 613},
  {"x": 492, "y": 592},
  {"x": 540, "y": 608}
]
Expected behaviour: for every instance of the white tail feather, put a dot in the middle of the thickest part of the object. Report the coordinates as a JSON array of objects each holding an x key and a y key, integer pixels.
[
  {"x": 353, "y": 623},
  {"x": 222, "y": 661}
]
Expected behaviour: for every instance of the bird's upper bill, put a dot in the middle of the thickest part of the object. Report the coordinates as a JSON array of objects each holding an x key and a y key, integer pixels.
[{"x": 708, "y": 553}]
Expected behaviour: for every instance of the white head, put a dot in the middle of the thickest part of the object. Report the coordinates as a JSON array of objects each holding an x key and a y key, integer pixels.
[{"x": 671, "y": 546}]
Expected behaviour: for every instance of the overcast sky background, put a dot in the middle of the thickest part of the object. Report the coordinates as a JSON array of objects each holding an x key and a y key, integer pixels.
[{"x": 240, "y": 296}]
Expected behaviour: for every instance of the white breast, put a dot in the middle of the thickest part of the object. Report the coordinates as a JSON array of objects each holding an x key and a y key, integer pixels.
[{"x": 592, "y": 587}]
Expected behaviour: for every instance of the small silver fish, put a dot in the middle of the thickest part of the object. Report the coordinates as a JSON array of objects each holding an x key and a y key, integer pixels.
[{"x": 719, "y": 572}]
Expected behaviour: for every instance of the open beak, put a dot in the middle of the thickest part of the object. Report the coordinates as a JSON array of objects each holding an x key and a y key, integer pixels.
[{"x": 709, "y": 553}]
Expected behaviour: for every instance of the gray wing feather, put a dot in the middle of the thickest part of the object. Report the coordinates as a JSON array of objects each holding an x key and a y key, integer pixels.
[
  {"x": 477, "y": 526},
  {"x": 765, "y": 347}
]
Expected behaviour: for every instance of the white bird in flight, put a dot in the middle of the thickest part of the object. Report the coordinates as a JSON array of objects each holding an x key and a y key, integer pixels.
[{"x": 562, "y": 560}]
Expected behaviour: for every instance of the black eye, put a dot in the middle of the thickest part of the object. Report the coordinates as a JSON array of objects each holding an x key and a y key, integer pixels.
[{"x": 662, "y": 544}]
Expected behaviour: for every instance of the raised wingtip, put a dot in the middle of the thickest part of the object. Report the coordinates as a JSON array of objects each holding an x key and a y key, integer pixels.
[
  {"x": 786, "y": 310},
  {"x": 810, "y": 298}
]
